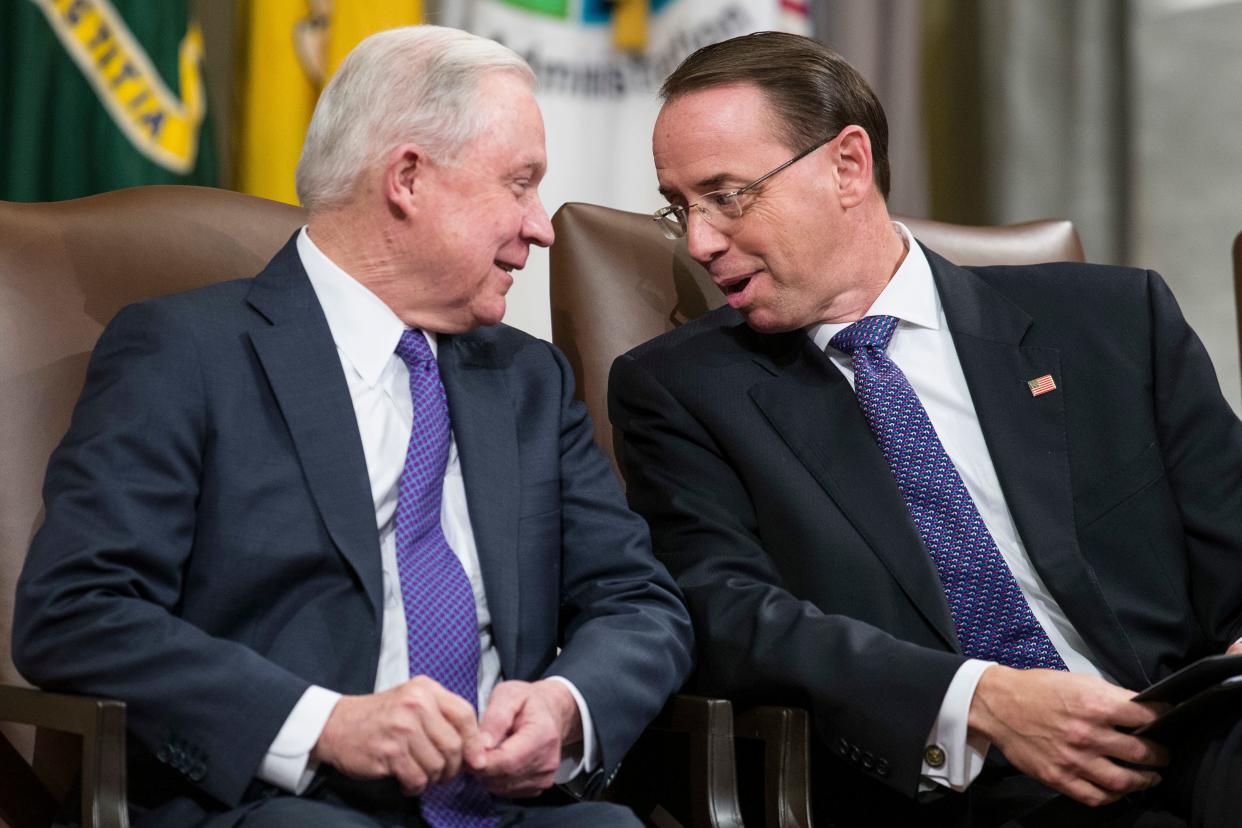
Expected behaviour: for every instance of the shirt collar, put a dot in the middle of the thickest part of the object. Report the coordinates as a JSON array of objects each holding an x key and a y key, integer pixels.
[
  {"x": 364, "y": 328},
  {"x": 910, "y": 295}
]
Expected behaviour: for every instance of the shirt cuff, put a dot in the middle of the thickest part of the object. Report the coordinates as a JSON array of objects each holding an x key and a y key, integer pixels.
[
  {"x": 952, "y": 757},
  {"x": 582, "y": 757},
  {"x": 287, "y": 764}
]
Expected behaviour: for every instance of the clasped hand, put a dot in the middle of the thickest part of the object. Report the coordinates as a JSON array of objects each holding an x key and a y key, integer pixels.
[{"x": 419, "y": 733}]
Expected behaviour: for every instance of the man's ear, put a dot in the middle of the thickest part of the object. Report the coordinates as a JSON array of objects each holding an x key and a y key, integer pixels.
[
  {"x": 852, "y": 163},
  {"x": 405, "y": 172}
]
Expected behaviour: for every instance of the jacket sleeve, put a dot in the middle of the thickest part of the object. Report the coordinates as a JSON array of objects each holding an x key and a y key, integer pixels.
[
  {"x": 1201, "y": 448},
  {"x": 625, "y": 635},
  {"x": 98, "y": 600}
]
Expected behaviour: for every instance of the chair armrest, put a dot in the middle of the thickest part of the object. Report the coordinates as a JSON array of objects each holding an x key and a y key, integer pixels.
[
  {"x": 681, "y": 771},
  {"x": 785, "y": 735},
  {"x": 713, "y": 774},
  {"x": 101, "y": 725}
]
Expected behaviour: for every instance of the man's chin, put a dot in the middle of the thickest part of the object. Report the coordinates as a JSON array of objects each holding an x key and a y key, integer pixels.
[
  {"x": 491, "y": 315},
  {"x": 765, "y": 322}
]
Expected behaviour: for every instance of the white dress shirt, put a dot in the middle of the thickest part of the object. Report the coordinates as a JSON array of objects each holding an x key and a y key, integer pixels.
[
  {"x": 922, "y": 347},
  {"x": 366, "y": 333}
]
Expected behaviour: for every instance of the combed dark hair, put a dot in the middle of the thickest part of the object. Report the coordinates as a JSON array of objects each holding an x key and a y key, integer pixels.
[{"x": 812, "y": 89}]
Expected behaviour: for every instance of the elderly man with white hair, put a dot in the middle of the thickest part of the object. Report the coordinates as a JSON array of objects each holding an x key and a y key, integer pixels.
[{"x": 340, "y": 540}]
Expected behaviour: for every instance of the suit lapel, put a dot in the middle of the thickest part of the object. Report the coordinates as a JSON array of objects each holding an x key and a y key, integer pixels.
[
  {"x": 811, "y": 405},
  {"x": 1026, "y": 437},
  {"x": 485, "y": 429},
  {"x": 301, "y": 364}
]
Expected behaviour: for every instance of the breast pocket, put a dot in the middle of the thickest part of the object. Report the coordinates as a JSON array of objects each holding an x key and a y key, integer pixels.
[
  {"x": 1131, "y": 532},
  {"x": 1110, "y": 492}
]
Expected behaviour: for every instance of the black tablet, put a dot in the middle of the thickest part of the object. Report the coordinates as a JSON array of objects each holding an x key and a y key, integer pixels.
[{"x": 1193, "y": 678}]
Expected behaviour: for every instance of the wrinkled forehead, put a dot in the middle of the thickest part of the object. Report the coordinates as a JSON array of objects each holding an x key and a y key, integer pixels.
[
  {"x": 513, "y": 130},
  {"x": 743, "y": 105},
  {"x": 711, "y": 137},
  {"x": 507, "y": 97}
]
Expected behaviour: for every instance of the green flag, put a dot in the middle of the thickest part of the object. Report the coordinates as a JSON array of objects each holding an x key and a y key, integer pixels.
[{"x": 96, "y": 95}]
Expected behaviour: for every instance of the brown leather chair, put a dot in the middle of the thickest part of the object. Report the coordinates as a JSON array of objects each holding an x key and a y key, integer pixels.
[
  {"x": 616, "y": 282},
  {"x": 66, "y": 268}
]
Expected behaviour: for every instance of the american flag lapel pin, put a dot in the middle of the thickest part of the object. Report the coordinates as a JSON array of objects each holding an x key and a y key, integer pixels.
[{"x": 1041, "y": 385}]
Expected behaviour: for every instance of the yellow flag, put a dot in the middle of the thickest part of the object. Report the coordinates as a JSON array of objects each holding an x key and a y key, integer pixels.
[
  {"x": 291, "y": 47},
  {"x": 629, "y": 25},
  {"x": 353, "y": 21}
]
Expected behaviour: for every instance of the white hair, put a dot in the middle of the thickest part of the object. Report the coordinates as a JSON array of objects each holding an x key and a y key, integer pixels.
[{"x": 417, "y": 84}]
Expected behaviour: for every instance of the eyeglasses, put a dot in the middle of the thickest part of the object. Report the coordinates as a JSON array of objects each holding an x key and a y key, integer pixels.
[{"x": 719, "y": 207}]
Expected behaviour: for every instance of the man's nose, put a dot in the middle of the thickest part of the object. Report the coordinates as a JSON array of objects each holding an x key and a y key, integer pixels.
[
  {"x": 537, "y": 227},
  {"x": 704, "y": 241}
]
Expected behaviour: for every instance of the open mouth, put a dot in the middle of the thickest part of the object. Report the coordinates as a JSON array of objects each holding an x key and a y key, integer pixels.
[{"x": 736, "y": 287}]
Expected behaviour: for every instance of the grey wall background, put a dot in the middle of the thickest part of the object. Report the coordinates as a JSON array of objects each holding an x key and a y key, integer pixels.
[
  {"x": 1123, "y": 115},
  {"x": 1186, "y": 161}
]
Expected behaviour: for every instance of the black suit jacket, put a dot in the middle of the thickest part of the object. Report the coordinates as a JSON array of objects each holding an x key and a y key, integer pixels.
[
  {"x": 807, "y": 581},
  {"x": 211, "y": 549}
]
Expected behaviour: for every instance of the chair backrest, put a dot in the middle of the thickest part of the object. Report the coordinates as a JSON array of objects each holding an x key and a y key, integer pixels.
[
  {"x": 616, "y": 282},
  {"x": 66, "y": 268},
  {"x": 1237, "y": 285}
]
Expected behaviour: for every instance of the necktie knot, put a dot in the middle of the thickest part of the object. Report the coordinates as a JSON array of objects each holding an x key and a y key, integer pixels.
[
  {"x": 414, "y": 350},
  {"x": 868, "y": 332}
]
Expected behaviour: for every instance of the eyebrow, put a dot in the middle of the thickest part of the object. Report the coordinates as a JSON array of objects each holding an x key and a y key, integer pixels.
[
  {"x": 706, "y": 185},
  {"x": 532, "y": 167},
  {"x": 715, "y": 182}
]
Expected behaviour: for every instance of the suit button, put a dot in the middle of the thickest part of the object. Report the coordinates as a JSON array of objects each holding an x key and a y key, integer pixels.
[
  {"x": 933, "y": 755},
  {"x": 881, "y": 767},
  {"x": 162, "y": 754},
  {"x": 198, "y": 771},
  {"x": 868, "y": 761},
  {"x": 855, "y": 754},
  {"x": 843, "y": 747}
]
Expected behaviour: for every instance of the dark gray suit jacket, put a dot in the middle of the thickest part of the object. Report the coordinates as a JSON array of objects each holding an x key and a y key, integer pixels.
[
  {"x": 210, "y": 547},
  {"x": 772, "y": 505}
]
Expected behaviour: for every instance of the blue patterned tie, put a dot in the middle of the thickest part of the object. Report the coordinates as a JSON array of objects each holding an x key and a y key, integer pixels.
[
  {"x": 991, "y": 616},
  {"x": 440, "y": 616}
]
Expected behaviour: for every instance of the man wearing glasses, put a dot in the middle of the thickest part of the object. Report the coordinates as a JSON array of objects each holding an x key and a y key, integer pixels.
[{"x": 962, "y": 514}]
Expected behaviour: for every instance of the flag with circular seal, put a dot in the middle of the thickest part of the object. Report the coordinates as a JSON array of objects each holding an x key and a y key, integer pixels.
[
  {"x": 100, "y": 94},
  {"x": 290, "y": 49}
]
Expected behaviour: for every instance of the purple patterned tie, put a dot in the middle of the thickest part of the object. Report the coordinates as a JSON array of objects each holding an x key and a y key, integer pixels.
[
  {"x": 440, "y": 616},
  {"x": 991, "y": 616}
]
